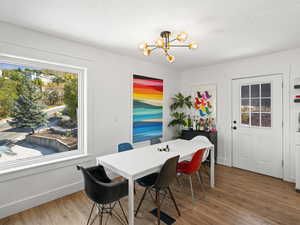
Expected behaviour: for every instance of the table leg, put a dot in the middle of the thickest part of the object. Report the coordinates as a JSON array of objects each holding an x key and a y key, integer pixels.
[
  {"x": 212, "y": 167},
  {"x": 131, "y": 201}
]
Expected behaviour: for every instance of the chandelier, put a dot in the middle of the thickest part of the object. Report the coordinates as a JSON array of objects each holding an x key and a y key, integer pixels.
[{"x": 165, "y": 42}]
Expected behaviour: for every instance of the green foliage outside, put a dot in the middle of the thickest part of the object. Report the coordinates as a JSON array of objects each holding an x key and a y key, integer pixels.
[
  {"x": 71, "y": 97},
  {"x": 17, "y": 90},
  {"x": 8, "y": 95},
  {"x": 28, "y": 108}
]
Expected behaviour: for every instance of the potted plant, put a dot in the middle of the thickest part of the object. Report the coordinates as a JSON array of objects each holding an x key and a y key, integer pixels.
[{"x": 179, "y": 117}]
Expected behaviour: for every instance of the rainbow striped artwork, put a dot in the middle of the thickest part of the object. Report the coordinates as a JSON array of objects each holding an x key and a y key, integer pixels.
[{"x": 147, "y": 108}]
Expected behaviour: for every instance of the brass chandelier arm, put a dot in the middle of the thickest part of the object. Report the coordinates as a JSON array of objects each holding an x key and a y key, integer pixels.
[{"x": 179, "y": 45}]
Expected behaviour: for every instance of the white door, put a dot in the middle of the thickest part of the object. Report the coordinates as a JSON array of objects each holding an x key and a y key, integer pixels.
[{"x": 257, "y": 124}]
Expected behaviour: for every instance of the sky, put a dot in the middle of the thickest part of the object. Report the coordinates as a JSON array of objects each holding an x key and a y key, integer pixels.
[{"x": 15, "y": 67}]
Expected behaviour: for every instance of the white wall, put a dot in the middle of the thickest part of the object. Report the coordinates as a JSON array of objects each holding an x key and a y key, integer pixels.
[
  {"x": 109, "y": 111},
  {"x": 286, "y": 63}
]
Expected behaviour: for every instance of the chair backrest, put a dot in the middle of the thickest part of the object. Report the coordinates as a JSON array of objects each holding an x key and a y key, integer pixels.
[
  {"x": 205, "y": 140},
  {"x": 122, "y": 147},
  {"x": 155, "y": 141},
  {"x": 98, "y": 186},
  {"x": 167, "y": 173},
  {"x": 195, "y": 164}
]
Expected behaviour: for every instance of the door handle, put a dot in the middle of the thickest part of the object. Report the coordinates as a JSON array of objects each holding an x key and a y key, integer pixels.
[{"x": 234, "y": 127}]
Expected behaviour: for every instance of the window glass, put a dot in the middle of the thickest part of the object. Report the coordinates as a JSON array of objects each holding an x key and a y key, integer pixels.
[
  {"x": 255, "y": 119},
  {"x": 255, "y": 91},
  {"x": 245, "y": 105},
  {"x": 256, "y": 105},
  {"x": 245, "y": 118},
  {"x": 266, "y": 90},
  {"x": 266, "y": 105},
  {"x": 266, "y": 119},
  {"x": 38, "y": 112},
  {"x": 245, "y": 91}
]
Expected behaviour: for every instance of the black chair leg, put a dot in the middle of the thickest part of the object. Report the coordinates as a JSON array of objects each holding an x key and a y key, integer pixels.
[
  {"x": 91, "y": 214},
  {"x": 157, "y": 198},
  {"x": 142, "y": 199},
  {"x": 173, "y": 199},
  {"x": 100, "y": 215},
  {"x": 123, "y": 211}
]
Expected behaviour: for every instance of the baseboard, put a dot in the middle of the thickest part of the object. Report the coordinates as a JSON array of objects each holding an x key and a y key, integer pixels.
[
  {"x": 223, "y": 161},
  {"x": 32, "y": 201}
]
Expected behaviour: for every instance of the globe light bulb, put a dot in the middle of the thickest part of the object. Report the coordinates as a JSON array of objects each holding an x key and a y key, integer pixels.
[
  {"x": 147, "y": 52},
  {"x": 170, "y": 58},
  {"x": 159, "y": 43},
  {"x": 193, "y": 45},
  {"x": 143, "y": 46},
  {"x": 182, "y": 36}
]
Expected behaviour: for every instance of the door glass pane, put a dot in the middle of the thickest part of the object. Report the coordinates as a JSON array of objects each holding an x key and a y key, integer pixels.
[
  {"x": 245, "y": 105},
  {"x": 255, "y": 105},
  {"x": 245, "y": 118},
  {"x": 266, "y": 105},
  {"x": 266, "y": 119},
  {"x": 255, "y": 91},
  {"x": 266, "y": 90},
  {"x": 245, "y": 91},
  {"x": 255, "y": 120}
]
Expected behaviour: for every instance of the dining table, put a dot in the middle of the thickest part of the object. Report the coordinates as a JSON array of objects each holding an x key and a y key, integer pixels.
[{"x": 143, "y": 161}]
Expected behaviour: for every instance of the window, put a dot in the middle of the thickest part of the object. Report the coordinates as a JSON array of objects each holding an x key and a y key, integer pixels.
[
  {"x": 41, "y": 111},
  {"x": 256, "y": 105}
]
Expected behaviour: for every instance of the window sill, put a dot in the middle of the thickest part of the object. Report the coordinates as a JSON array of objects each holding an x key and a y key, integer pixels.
[{"x": 23, "y": 171}]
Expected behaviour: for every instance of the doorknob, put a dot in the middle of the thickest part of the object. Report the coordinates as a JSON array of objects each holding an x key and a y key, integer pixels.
[{"x": 234, "y": 127}]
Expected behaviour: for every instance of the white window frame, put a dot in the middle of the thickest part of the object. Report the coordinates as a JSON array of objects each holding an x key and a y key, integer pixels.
[{"x": 16, "y": 165}]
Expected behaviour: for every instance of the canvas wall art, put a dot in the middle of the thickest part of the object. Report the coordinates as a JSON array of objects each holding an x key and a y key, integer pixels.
[
  {"x": 204, "y": 98},
  {"x": 147, "y": 108}
]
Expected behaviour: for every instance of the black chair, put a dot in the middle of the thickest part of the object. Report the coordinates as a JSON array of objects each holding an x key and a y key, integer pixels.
[
  {"x": 104, "y": 193},
  {"x": 155, "y": 141},
  {"x": 160, "y": 183}
]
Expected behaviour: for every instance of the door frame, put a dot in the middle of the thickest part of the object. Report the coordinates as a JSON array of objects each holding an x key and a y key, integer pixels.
[{"x": 286, "y": 105}]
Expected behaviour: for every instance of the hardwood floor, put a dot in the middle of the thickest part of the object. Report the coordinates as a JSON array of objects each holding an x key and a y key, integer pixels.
[{"x": 240, "y": 198}]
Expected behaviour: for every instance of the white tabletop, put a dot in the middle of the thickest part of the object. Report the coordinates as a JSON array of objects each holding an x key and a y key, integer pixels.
[{"x": 141, "y": 161}]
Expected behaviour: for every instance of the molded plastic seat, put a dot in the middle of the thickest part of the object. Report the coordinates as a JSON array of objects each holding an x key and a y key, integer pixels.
[
  {"x": 102, "y": 191},
  {"x": 192, "y": 167},
  {"x": 122, "y": 147},
  {"x": 160, "y": 182}
]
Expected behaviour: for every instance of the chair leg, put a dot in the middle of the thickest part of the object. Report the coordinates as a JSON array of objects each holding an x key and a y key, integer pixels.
[
  {"x": 142, "y": 199},
  {"x": 100, "y": 214},
  {"x": 198, "y": 176},
  {"x": 91, "y": 213},
  {"x": 192, "y": 190},
  {"x": 123, "y": 211},
  {"x": 173, "y": 199},
  {"x": 202, "y": 179},
  {"x": 178, "y": 181},
  {"x": 157, "y": 198},
  {"x": 134, "y": 188}
]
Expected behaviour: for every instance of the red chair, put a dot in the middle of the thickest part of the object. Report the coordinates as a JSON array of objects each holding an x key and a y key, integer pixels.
[{"x": 192, "y": 167}]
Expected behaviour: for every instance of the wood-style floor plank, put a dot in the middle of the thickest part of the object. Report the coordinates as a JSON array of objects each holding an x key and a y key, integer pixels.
[{"x": 240, "y": 198}]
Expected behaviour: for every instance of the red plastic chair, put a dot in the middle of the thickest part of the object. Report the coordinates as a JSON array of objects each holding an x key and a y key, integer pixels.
[{"x": 192, "y": 167}]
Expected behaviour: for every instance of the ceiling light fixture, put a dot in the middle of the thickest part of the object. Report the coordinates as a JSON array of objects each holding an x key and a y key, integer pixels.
[{"x": 164, "y": 43}]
